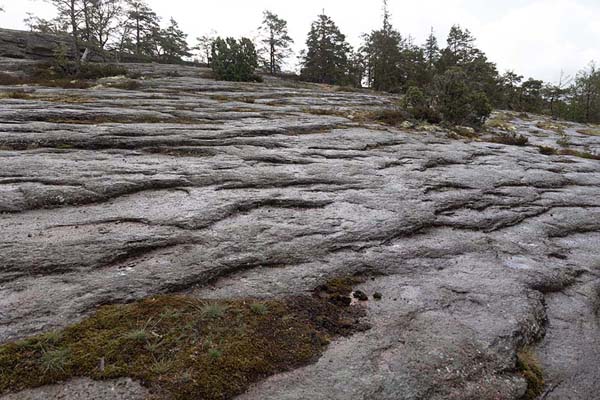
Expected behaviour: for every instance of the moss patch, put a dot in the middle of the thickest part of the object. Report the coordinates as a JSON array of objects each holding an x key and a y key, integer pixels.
[
  {"x": 183, "y": 348},
  {"x": 501, "y": 121},
  {"x": 590, "y": 131},
  {"x": 548, "y": 126},
  {"x": 529, "y": 367}
]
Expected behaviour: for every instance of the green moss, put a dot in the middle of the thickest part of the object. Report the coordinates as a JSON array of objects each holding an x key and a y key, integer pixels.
[
  {"x": 183, "y": 347},
  {"x": 529, "y": 367}
]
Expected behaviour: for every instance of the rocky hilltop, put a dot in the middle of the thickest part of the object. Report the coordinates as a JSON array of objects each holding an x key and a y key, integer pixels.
[
  {"x": 31, "y": 45},
  {"x": 175, "y": 183}
]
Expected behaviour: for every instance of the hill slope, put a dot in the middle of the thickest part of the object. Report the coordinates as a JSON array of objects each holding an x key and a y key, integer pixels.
[{"x": 180, "y": 184}]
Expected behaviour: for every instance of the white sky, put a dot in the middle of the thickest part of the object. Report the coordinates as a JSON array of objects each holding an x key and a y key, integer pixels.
[{"x": 536, "y": 38}]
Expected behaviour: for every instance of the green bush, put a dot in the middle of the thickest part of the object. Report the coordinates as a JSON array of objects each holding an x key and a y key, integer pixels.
[
  {"x": 234, "y": 60},
  {"x": 457, "y": 101},
  {"x": 418, "y": 105}
]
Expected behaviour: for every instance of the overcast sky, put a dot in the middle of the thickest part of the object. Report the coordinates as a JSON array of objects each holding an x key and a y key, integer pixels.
[{"x": 536, "y": 38}]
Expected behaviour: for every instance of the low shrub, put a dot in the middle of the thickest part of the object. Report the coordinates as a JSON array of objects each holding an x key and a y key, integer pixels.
[{"x": 514, "y": 139}]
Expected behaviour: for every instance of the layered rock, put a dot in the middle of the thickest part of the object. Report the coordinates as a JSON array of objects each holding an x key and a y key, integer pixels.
[{"x": 223, "y": 190}]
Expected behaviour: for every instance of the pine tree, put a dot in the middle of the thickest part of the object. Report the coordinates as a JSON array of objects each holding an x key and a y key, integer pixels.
[
  {"x": 173, "y": 44},
  {"x": 326, "y": 57},
  {"x": 383, "y": 55},
  {"x": 431, "y": 50},
  {"x": 141, "y": 23},
  {"x": 276, "y": 42},
  {"x": 234, "y": 60}
]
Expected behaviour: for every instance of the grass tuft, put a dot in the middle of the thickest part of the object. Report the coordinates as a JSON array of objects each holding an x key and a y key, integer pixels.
[
  {"x": 54, "y": 360},
  {"x": 259, "y": 308},
  {"x": 214, "y": 310}
]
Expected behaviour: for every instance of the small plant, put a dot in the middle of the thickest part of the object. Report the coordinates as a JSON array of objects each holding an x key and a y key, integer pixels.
[
  {"x": 214, "y": 310},
  {"x": 259, "y": 308},
  {"x": 215, "y": 354},
  {"x": 161, "y": 367},
  {"x": 138, "y": 335},
  {"x": 55, "y": 360}
]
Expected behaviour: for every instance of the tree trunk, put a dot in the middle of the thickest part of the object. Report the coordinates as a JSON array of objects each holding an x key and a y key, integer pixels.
[{"x": 75, "y": 34}]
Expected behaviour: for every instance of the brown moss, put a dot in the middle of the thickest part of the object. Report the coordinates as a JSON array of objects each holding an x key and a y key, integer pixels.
[
  {"x": 181, "y": 347},
  {"x": 129, "y": 84},
  {"x": 512, "y": 139},
  {"x": 547, "y": 150},
  {"x": 590, "y": 131},
  {"x": 19, "y": 95},
  {"x": 549, "y": 126},
  {"x": 580, "y": 154},
  {"x": 529, "y": 367}
]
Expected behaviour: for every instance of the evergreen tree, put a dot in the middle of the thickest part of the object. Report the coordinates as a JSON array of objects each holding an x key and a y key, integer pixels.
[
  {"x": 382, "y": 52},
  {"x": 585, "y": 101},
  {"x": 172, "y": 43},
  {"x": 276, "y": 42},
  {"x": 431, "y": 50},
  {"x": 234, "y": 60},
  {"x": 142, "y": 23},
  {"x": 326, "y": 58}
]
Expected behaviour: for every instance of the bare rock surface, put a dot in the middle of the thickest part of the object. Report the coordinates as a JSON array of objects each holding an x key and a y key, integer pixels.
[
  {"x": 121, "y": 389},
  {"x": 31, "y": 45},
  {"x": 223, "y": 190}
]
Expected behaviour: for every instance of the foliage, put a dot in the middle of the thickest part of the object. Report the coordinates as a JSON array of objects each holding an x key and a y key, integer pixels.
[
  {"x": 419, "y": 106},
  {"x": 275, "y": 42},
  {"x": 457, "y": 101},
  {"x": 204, "y": 47},
  {"x": 139, "y": 33},
  {"x": 171, "y": 44},
  {"x": 234, "y": 60},
  {"x": 326, "y": 59}
]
